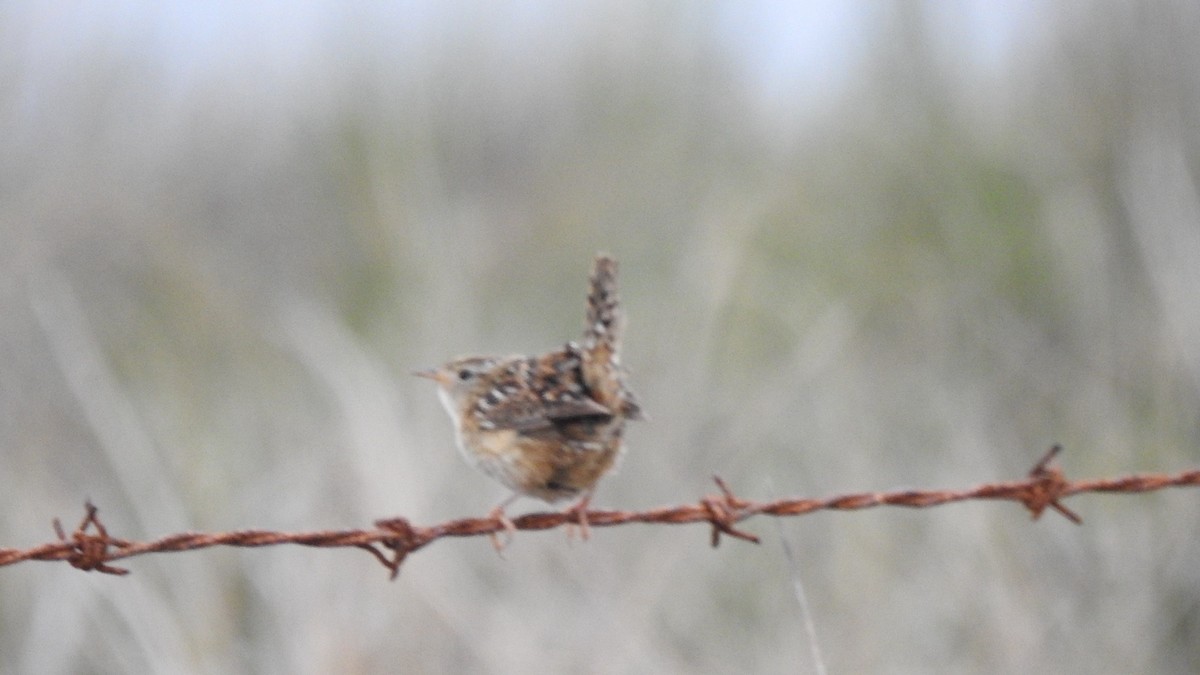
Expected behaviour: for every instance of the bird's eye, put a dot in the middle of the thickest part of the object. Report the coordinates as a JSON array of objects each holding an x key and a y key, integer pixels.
[{"x": 464, "y": 374}]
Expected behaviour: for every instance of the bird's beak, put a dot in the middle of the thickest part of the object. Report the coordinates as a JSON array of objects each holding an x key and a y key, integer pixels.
[{"x": 434, "y": 374}]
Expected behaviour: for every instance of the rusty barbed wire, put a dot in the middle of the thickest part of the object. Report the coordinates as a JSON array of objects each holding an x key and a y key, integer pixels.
[{"x": 90, "y": 546}]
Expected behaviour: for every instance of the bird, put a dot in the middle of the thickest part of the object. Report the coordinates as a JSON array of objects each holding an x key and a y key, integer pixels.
[{"x": 548, "y": 426}]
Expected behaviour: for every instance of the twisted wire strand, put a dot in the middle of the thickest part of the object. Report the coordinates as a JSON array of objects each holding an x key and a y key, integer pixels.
[{"x": 91, "y": 548}]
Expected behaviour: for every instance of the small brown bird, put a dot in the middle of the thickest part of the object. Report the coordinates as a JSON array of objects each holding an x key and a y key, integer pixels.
[{"x": 546, "y": 426}]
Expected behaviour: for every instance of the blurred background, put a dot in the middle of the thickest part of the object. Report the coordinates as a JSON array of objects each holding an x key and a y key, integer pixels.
[{"x": 864, "y": 246}]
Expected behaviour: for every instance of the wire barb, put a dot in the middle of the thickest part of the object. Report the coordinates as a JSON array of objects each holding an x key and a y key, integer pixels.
[
  {"x": 91, "y": 548},
  {"x": 1049, "y": 487},
  {"x": 724, "y": 512},
  {"x": 89, "y": 551},
  {"x": 406, "y": 540}
]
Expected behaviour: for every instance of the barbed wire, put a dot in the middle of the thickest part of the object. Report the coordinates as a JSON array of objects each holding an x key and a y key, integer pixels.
[{"x": 91, "y": 548}]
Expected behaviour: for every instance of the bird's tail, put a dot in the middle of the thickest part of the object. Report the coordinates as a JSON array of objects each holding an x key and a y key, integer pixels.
[
  {"x": 605, "y": 322},
  {"x": 602, "y": 340}
]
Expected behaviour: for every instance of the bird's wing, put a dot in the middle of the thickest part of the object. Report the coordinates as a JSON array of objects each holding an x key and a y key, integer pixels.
[{"x": 533, "y": 394}]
